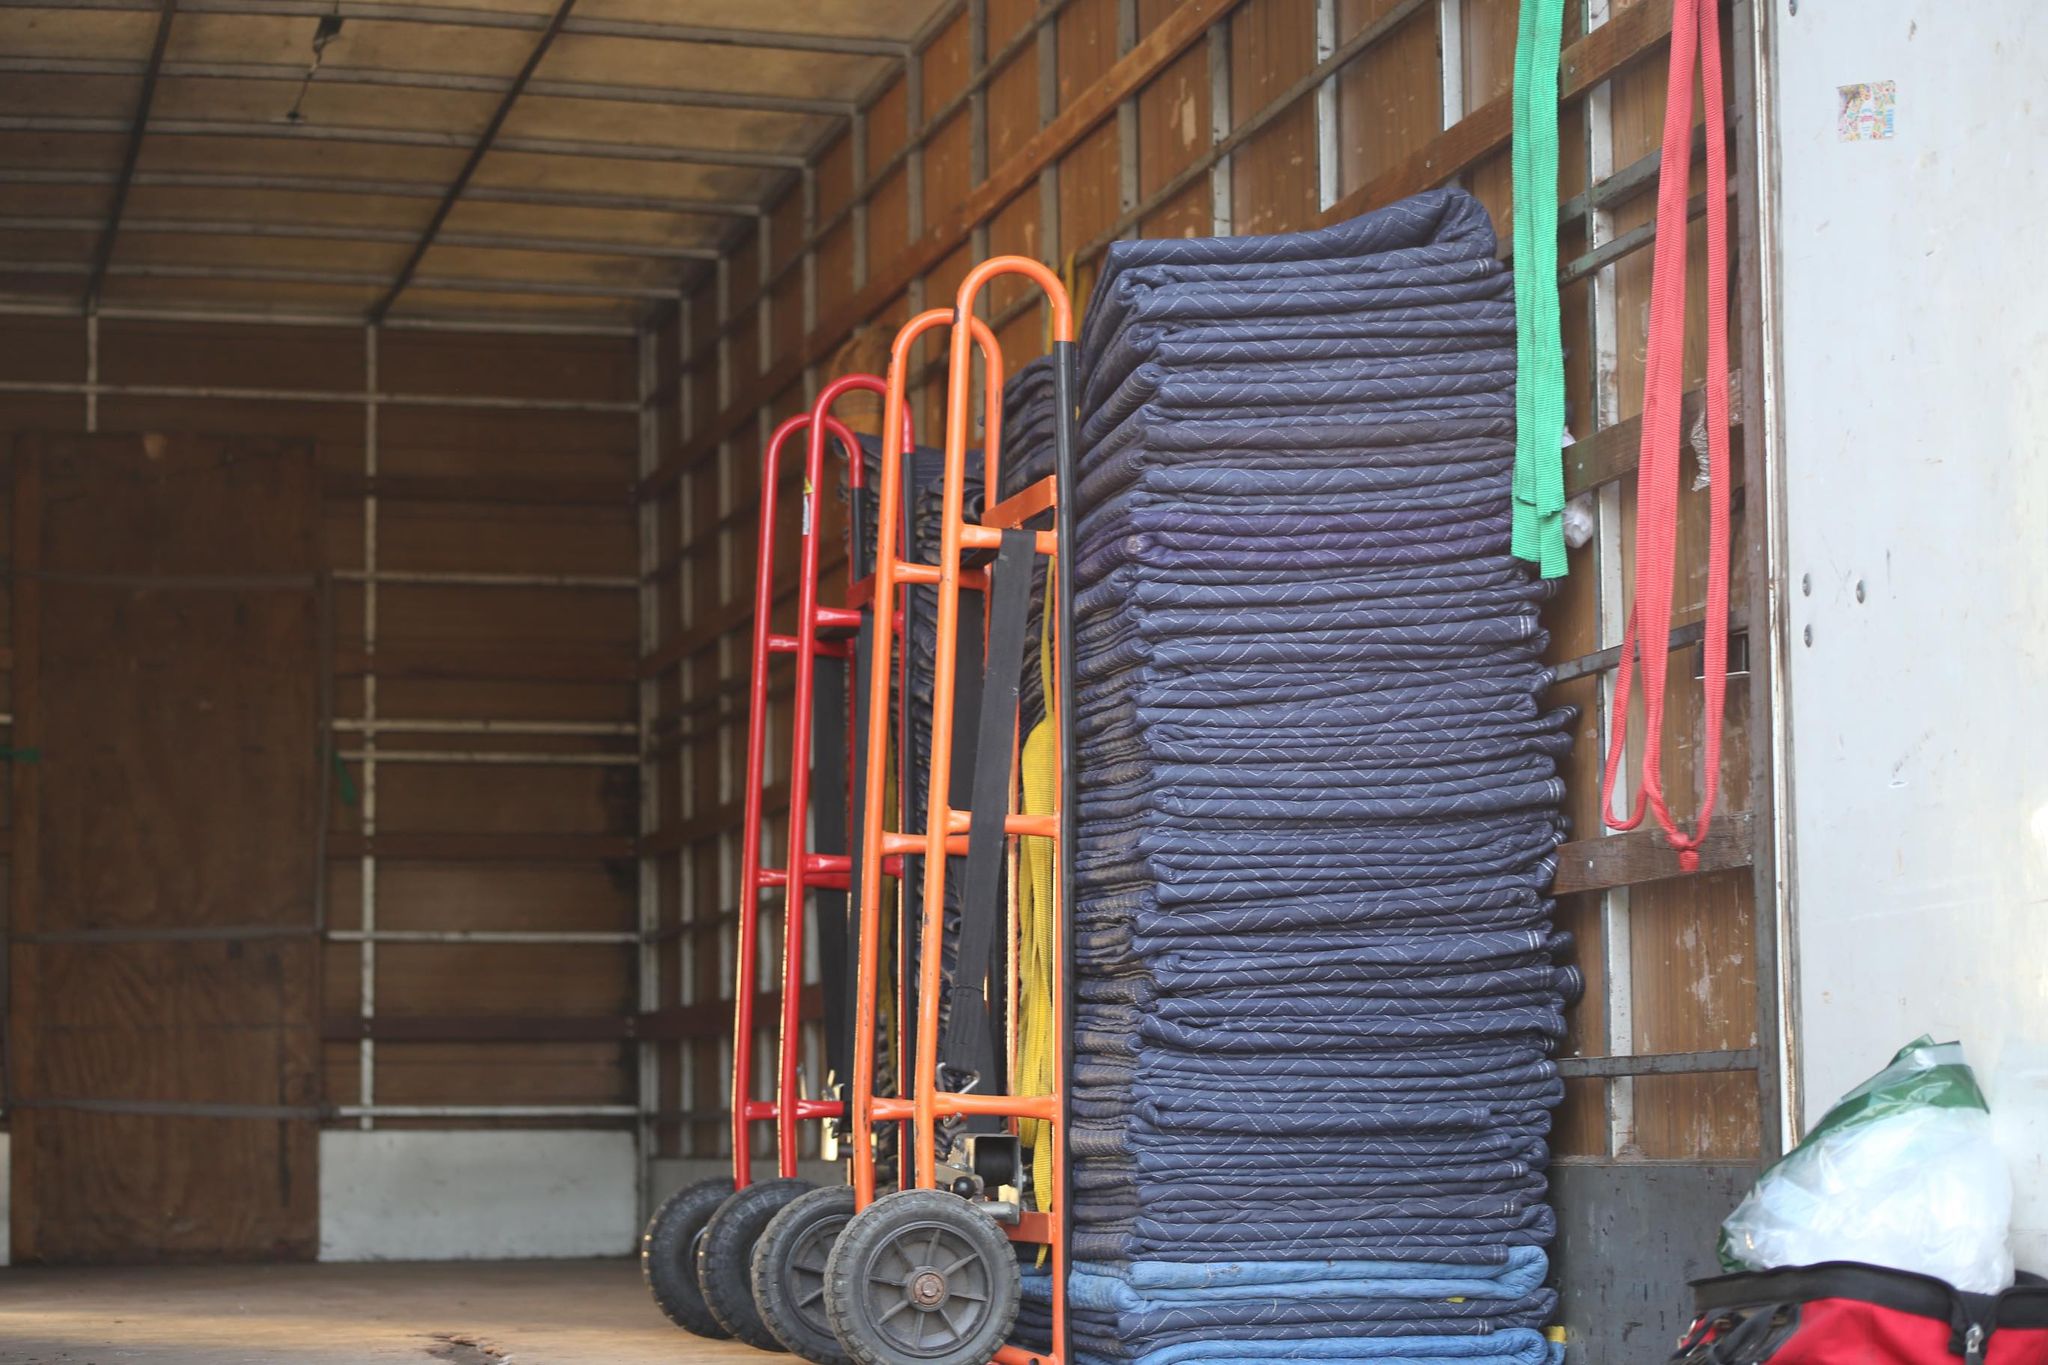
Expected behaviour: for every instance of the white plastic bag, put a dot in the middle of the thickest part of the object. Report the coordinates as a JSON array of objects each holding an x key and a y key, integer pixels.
[{"x": 1902, "y": 1172}]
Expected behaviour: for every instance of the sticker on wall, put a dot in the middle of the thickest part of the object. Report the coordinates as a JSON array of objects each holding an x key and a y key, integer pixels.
[{"x": 1866, "y": 113}]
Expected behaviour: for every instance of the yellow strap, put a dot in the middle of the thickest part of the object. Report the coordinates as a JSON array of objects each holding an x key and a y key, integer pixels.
[{"x": 1040, "y": 763}]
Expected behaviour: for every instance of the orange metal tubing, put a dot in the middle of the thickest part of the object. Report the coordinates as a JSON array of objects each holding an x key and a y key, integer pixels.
[
  {"x": 892, "y": 573},
  {"x": 944, "y": 827},
  {"x": 929, "y": 1104}
]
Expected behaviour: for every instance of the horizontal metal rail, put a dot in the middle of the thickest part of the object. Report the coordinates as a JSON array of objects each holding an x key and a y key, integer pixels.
[
  {"x": 178, "y": 1109},
  {"x": 436, "y": 80},
  {"x": 484, "y": 1111},
  {"x": 390, "y": 189},
  {"x": 479, "y": 324},
  {"x": 334, "y": 232},
  {"x": 406, "y": 137},
  {"x": 188, "y": 933},
  {"x": 64, "y": 388},
  {"x": 483, "y": 936},
  {"x": 347, "y": 279},
  {"x": 431, "y": 579},
  {"x": 381, "y": 726},
  {"x": 454, "y": 17},
  {"x": 1659, "y": 1064},
  {"x": 486, "y": 757}
]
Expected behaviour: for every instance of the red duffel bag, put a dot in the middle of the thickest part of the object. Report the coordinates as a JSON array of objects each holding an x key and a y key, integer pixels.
[{"x": 1847, "y": 1313}]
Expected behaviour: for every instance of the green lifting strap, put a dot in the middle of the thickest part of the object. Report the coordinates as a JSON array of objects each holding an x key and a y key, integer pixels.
[{"x": 1539, "y": 345}]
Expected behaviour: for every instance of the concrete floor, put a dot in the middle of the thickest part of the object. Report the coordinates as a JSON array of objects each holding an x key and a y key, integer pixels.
[{"x": 518, "y": 1313}]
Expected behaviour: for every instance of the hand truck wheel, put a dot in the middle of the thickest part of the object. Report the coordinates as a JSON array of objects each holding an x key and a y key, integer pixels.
[
  {"x": 922, "y": 1276},
  {"x": 726, "y": 1251},
  {"x": 668, "y": 1255},
  {"x": 789, "y": 1273}
]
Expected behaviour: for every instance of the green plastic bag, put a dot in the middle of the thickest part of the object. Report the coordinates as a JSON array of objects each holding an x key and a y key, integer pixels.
[{"x": 1901, "y": 1172}]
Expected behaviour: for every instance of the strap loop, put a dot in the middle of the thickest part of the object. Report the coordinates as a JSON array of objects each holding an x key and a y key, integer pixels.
[{"x": 1695, "y": 35}]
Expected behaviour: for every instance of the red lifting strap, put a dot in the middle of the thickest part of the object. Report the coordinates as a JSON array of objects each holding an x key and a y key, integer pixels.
[{"x": 1695, "y": 32}]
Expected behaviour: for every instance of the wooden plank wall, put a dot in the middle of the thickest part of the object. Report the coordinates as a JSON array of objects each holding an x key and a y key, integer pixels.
[
  {"x": 478, "y": 528},
  {"x": 1092, "y": 119},
  {"x": 164, "y": 874}
]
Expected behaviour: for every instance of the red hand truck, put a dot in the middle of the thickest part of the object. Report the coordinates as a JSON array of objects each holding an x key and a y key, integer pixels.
[{"x": 696, "y": 1252}]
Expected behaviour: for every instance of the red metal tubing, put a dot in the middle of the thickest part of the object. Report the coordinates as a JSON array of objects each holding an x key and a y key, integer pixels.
[
  {"x": 803, "y": 871},
  {"x": 752, "y": 880}
]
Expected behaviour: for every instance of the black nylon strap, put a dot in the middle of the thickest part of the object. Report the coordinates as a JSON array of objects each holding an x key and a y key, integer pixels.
[
  {"x": 828, "y": 826},
  {"x": 982, "y": 902},
  {"x": 967, "y": 692},
  {"x": 863, "y": 673},
  {"x": 917, "y": 605}
]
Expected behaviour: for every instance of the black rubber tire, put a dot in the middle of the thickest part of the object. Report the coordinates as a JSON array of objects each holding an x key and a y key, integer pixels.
[
  {"x": 725, "y": 1257},
  {"x": 668, "y": 1255},
  {"x": 789, "y": 1273},
  {"x": 913, "y": 1259}
]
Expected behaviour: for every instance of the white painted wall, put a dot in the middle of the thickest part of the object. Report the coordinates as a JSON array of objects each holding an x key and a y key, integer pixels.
[
  {"x": 1915, "y": 404},
  {"x": 424, "y": 1196}
]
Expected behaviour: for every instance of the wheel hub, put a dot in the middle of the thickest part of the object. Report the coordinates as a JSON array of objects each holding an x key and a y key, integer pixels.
[{"x": 927, "y": 1288}]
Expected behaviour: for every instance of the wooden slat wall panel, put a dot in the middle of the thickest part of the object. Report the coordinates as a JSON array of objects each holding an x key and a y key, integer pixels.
[
  {"x": 449, "y": 481},
  {"x": 1273, "y": 175},
  {"x": 1389, "y": 98},
  {"x": 180, "y": 795},
  {"x": 1687, "y": 979}
]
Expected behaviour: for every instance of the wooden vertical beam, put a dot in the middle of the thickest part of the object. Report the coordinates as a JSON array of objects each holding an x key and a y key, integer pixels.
[
  {"x": 366, "y": 1054},
  {"x": 977, "y": 129},
  {"x": 138, "y": 128},
  {"x": 1048, "y": 110},
  {"x": 977, "y": 102},
  {"x": 913, "y": 130},
  {"x": 764, "y": 304},
  {"x": 857, "y": 145},
  {"x": 25, "y": 880},
  {"x": 1616, "y": 937},
  {"x": 647, "y": 962},
  {"x": 808, "y": 308},
  {"x": 1761, "y": 531}
]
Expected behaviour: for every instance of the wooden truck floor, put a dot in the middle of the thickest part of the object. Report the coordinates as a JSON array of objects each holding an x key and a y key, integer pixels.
[{"x": 521, "y": 1313}]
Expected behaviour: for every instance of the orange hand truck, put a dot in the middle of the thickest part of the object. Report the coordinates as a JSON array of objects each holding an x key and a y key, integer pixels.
[
  {"x": 697, "y": 1248},
  {"x": 930, "y": 1273}
]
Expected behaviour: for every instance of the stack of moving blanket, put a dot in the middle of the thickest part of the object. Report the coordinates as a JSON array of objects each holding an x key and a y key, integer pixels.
[{"x": 1319, "y": 800}]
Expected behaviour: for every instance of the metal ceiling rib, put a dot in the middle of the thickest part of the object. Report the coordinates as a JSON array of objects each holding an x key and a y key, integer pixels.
[
  {"x": 531, "y": 21},
  {"x": 138, "y": 126},
  {"x": 382, "y": 306},
  {"x": 719, "y": 139},
  {"x": 486, "y": 241},
  {"x": 437, "y": 80},
  {"x": 404, "y": 137},
  {"x": 396, "y": 189}
]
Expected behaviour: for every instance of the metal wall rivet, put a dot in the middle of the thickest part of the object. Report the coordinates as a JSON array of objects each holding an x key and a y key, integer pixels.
[
  {"x": 1809, "y": 635},
  {"x": 1806, "y": 584},
  {"x": 1859, "y": 590}
]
